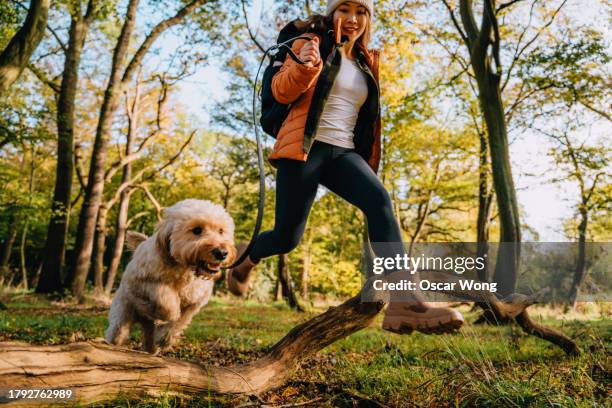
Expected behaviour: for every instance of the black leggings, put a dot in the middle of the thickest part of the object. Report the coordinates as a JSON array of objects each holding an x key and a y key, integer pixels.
[{"x": 342, "y": 171}]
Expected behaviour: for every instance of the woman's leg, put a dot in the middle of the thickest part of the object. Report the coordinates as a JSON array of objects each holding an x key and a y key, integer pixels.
[
  {"x": 349, "y": 176},
  {"x": 296, "y": 189}
]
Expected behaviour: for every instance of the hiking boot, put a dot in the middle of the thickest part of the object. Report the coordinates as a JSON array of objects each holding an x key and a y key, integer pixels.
[
  {"x": 405, "y": 317},
  {"x": 238, "y": 277}
]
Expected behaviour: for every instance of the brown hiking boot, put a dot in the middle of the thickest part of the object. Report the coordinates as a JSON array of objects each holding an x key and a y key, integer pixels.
[
  {"x": 238, "y": 277},
  {"x": 404, "y": 317}
]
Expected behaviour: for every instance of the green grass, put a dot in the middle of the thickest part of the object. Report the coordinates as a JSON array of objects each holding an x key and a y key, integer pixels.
[{"x": 481, "y": 366}]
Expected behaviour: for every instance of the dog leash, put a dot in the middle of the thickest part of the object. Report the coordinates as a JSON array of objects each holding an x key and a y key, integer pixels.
[
  {"x": 260, "y": 162},
  {"x": 262, "y": 185}
]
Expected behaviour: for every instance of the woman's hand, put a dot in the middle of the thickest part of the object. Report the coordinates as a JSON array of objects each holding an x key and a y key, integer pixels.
[{"x": 310, "y": 53}]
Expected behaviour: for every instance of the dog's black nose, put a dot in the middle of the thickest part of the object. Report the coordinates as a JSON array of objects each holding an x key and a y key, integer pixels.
[{"x": 219, "y": 254}]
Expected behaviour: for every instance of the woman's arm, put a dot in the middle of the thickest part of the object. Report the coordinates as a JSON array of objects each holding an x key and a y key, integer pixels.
[{"x": 294, "y": 79}]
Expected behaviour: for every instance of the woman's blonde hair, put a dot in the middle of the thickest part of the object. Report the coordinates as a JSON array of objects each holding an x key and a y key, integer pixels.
[{"x": 319, "y": 23}]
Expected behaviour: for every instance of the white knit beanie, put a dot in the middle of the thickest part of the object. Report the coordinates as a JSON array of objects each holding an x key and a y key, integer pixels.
[{"x": 332, "y": 5}]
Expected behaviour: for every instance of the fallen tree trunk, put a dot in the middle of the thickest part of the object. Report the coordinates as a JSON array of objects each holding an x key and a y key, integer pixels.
[
  {"x": 511, "y": 309},
  {"x": 98, "y": 372}
]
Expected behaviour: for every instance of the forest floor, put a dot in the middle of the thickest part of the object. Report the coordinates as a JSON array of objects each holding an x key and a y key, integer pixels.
[{"x": 480, "y": 366}]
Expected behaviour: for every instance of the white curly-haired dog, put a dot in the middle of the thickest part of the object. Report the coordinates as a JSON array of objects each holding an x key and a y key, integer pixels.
[{"x": 172, "y": 273}]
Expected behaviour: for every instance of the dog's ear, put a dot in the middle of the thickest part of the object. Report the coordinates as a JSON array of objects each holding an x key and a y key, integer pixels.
[
  {"x": 162, "y": 240},
  {"x": 133, "y": 239}
]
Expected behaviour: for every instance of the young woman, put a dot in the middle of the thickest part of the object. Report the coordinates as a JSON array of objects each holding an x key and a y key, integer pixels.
[{"x": 332, "y": 137}]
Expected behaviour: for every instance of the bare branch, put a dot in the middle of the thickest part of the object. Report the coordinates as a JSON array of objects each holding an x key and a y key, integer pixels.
[
  {"x": 173, "y": 158},
  {"x": 456, "y": 23},
  {"x": 77, "y": 198},
  {"x": 134, "y": 218},
  {"x": 518, "y": 54},
  {"x": 595, "y": 110},
  {"x": 132, "y": 113},
  {"x": 307, "y": 7},
  {"x": 42, "y": 77},
  {"x": 505, "y": 5},
  {"x": 152, "y": 199},
  {"x": 251, "y": 34},
  {"x": 154, "y": 34}
]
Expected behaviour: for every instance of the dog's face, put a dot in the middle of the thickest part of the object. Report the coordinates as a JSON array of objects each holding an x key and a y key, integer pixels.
[{"x": 198, "y": 235}]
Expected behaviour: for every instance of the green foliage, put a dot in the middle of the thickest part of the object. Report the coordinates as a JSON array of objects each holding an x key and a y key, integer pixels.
[
  {"x": 573, "y": 70},
  {"x": 10, "y": 17}
]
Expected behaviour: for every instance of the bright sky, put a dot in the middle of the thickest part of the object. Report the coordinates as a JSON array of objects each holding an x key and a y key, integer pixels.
[{"x": 545, "y": 205}]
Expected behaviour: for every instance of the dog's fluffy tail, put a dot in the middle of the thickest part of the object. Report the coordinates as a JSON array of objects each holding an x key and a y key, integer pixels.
[{"x": 133, "y": 239}]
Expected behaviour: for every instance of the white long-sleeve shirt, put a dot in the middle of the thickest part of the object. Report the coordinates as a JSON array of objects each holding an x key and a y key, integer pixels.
[{"x": 339, "y": 116}]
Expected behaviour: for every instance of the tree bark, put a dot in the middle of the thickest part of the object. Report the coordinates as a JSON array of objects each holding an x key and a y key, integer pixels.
[
  {"x": 7, "y": 249},
  {"x": 15, "y": 57},
  {"x": 305, "y": 272},
  {"x": 22, "y": 261},
  {"x": 55, "y": 248},
  {"x": 120, "y": 231},
  {"x": 95, "y": 183},
  {"x": 124, "y": 203},
  {"x": 284, "y": 279},
  {"x": 581, "y": 266},
  {"x": 484, "y": 209},
  {"x": 98, "y": 372},
  {"x": 100, "y": 248},
  {"x": 478, "y": 41}
]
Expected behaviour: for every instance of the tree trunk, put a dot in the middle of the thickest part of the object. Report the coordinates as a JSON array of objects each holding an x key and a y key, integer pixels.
[
  {"x": 121, "y": 229},
  {"x": 581, "y": 266},
  {"x": 305, "y": 273},
  {"x": 55, "y": 248},
  {"x": 278, "y": 290},
  {"x": 124, "y": 203},
  {"x": 22, "y": 260},
  {"x": 478, "y": 41},
  {"x": 7, "y": 249},
  {"x": 138, "y": 374},
  {"x": 17, "y": 53},
  {"x": 100, "y": 248},
  {"x": 36, "y": 277},
  {"x": 507, "y": 265},
  {"x": 284, "y": 278},
  {"x": 484, "y": 209},
  {"x": 95, "y": 183}
]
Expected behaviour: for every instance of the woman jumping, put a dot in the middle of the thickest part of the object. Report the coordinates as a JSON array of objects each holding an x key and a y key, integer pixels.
[{"x": 332, "y": 137}]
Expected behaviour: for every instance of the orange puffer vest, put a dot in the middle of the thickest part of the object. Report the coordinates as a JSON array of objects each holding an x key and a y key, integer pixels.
[{"x": 297, "y": 84}]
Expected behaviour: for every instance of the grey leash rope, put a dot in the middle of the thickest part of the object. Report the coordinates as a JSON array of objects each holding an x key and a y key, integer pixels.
[{"x": 260, "y": 162}]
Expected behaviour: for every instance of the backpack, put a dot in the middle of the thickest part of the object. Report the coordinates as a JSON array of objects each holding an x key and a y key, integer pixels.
[{"x": 274, "y": 113}]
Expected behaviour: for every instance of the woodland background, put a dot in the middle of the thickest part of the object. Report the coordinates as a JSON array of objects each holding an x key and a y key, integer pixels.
[
  {"x": 97, "y": 134},
  {"x": 111, "y": 110}
]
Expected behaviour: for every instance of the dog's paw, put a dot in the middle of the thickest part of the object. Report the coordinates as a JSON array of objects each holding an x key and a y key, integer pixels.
[{"x": 159, "y": 322}]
